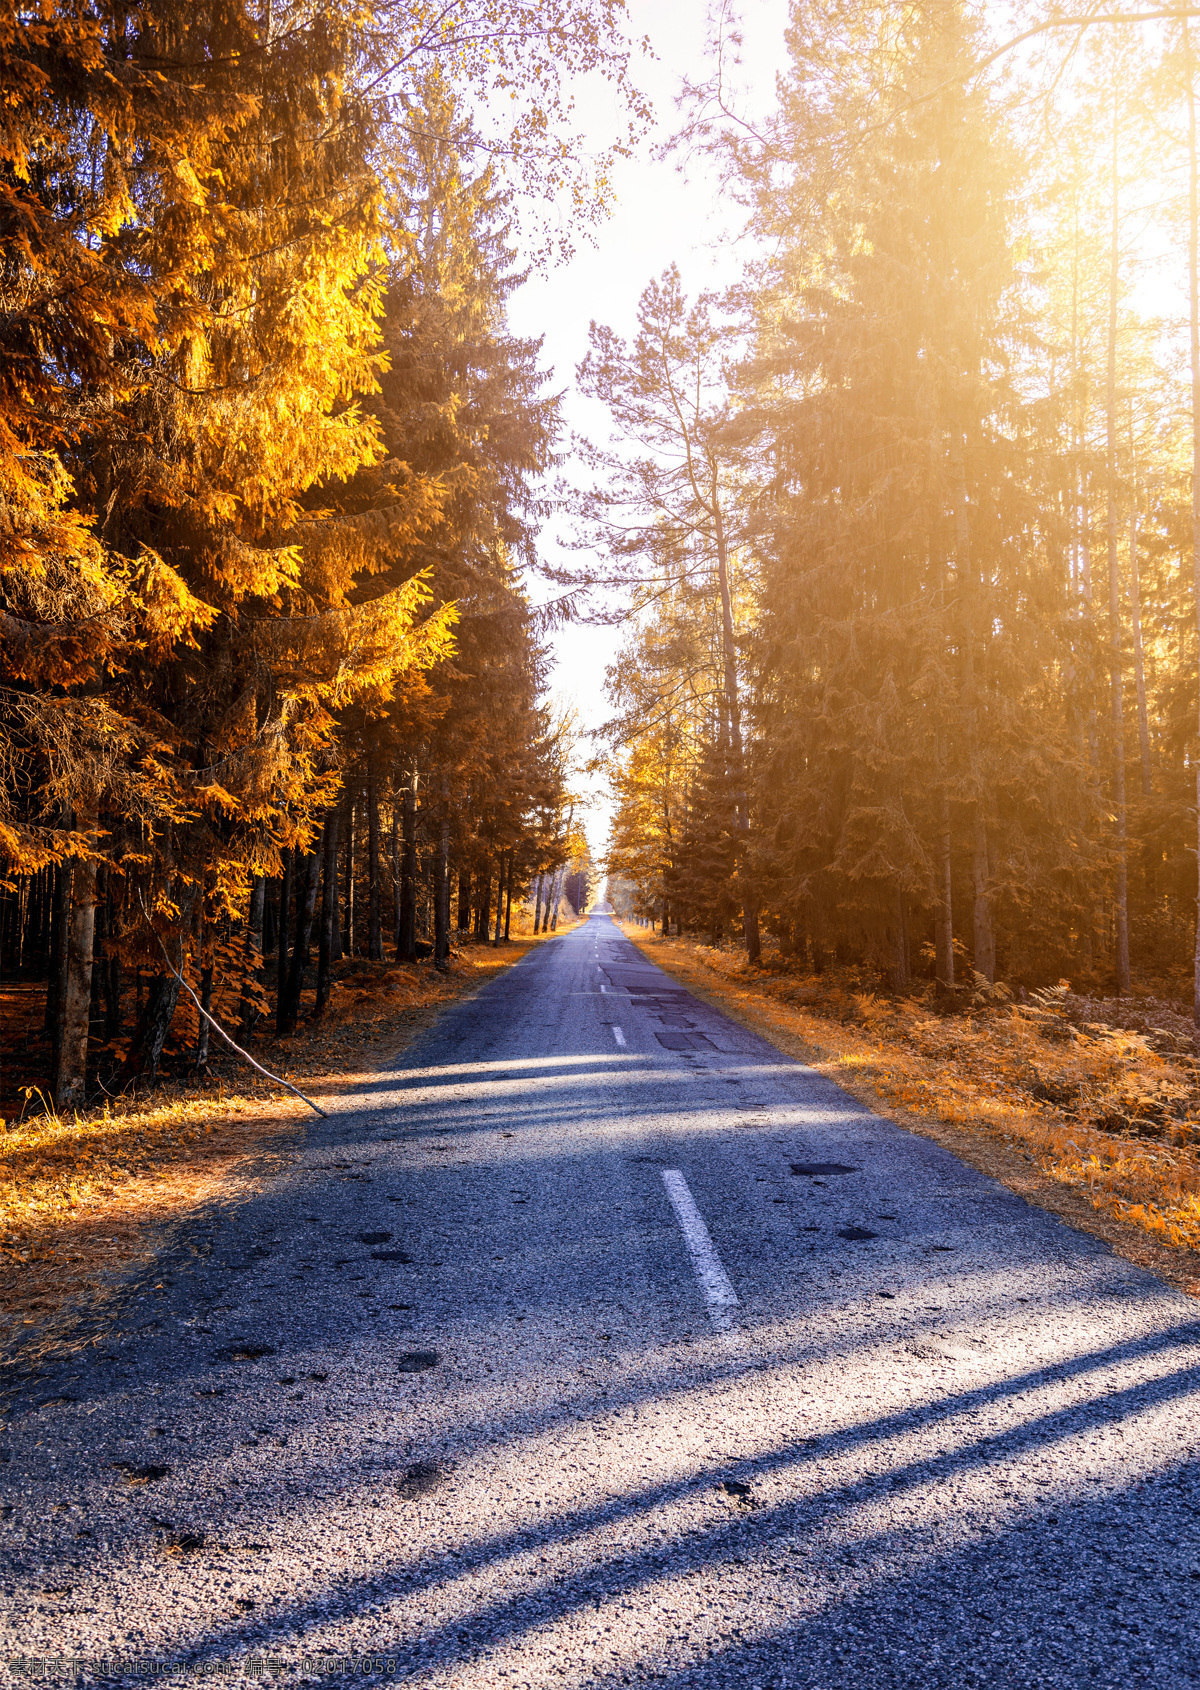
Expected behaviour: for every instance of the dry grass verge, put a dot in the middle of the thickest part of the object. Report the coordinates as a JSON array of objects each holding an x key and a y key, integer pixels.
[
  {"x": 87, "y": 1202},
  {"x": 1017, "y": 1091}
]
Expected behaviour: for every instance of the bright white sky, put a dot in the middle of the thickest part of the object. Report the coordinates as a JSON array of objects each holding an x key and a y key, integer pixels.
[{"x": 660, "y": 217}]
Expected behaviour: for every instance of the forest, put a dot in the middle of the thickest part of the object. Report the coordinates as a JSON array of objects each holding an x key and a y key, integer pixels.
[
  {"x": 272, "y": 692},
  {"x": 903, "y": 525}
]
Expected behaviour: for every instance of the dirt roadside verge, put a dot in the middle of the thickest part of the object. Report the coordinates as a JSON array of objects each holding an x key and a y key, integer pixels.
[
  {"x": 1124, "y": 1192},
  {"x": 87, "y": 1205}
]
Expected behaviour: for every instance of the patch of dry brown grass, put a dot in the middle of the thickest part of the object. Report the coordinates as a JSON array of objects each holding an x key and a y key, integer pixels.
[{"x": 1019, "y": 1091}]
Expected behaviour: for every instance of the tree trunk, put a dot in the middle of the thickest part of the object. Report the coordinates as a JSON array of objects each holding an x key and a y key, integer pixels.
[
  {"x": 734, "y": 709},
  {"x": 484, "y": 913},
  {"x": 1139, "y": 657},
  {"x": 375, "y": 906},
  {"x": 537, "y": 903},
  {"x": 500, "y": 875},
  {"x": 1194, "y": 327},
  {"x": 60, "y": 924},
  {"x": 326, "y": 949},
  {"x": 441, "y": 892},
  {"x": 985, "y": 946},
  {"x": 396, "y": 879},
  {"x": 150, "y": 1035},
  {"x": 308, "y": 876},
  {"x": 464, "y": 900},
  {"x": 349, "y": 936},
  {"x": 71, "y": 1042},
  {"x": 944, "y": 918},
  {"x": 406, "y": 937},
  {"x": 206, "y": 992},
  {"x": 508, "y": 899},
  {"x": 1121, "y": 901},
  {"x": 284, "y": 955},
  {"x": 901, "y": 973},
  {"x": 254, "y": 947}
]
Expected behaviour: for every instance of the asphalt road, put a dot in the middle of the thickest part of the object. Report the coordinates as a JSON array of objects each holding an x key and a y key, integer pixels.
[{"x": 546, "y": 1362}]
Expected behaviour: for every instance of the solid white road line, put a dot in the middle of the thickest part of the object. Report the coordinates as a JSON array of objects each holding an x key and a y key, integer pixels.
[
  {"x": 719, "y": 1294},
  {"x": 618, "y": 1035}
]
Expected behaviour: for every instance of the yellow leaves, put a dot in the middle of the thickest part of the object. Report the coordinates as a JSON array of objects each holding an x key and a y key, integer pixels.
[{"x": 171, "y": 612}]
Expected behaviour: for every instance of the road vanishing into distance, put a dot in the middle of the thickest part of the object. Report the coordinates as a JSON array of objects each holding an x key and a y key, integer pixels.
[{"x": 598, "y": 1343}]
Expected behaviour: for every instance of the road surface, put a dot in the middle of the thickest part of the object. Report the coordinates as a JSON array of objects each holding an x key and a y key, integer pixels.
[{"x": 599, "y": 1343}]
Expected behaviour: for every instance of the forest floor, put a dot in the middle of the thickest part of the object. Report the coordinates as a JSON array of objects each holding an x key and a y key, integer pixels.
[
  {"x": 1087, "y": 1107},
  {"x": 87, "y": 1201}
]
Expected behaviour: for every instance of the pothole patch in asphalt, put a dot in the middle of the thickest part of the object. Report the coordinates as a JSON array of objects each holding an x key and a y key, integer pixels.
[
  {"x": 390, "y": 1256},
  {"x": 856, "y": 1234},
  {"x": 738, "y": 1492},
  {"x": 374, "y": 1237},
  {"x": 185, "y": 1543},
  {"x": 423, "y": 1478},
  {"x": 246, "y": 1352},
  {"x": 146, "y": 1475},
  {"x": 418, "y": 1361},
  {"x": 811, "y": 1168}
]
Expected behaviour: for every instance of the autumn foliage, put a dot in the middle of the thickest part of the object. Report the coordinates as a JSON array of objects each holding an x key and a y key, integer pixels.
[{"x": 267, "y": 469}]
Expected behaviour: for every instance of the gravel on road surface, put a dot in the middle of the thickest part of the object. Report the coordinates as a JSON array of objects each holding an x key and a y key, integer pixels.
[{"x": 599, "y": 1343}]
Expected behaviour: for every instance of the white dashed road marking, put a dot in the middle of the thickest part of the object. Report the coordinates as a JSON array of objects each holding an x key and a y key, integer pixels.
[
  {"x": 719, "y": 1294},
  {"x": 618, "y": 1035}
]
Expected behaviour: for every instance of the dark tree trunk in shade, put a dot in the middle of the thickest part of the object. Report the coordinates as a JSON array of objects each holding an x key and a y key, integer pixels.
[
  {"x": 254, "y": 945},
  {"x": 441, "y": 894},
  {"x": 374, "y": 889},
  {"x": 206, "y": 991},
  {"x": 406, "y": 938},
  {"x": 307, "y": 879},
  {"x": 270, "y": 933},
  {"x": 60, "y": 920},
  {"x": 464, "y": 900},
  {"x": 499, "y": 899},
  {"x": 150, "y": 1035},
  {"x": 326, "y": 949},
  {"x": 537, "y": 903},
  {"x": 285, "y": 923},
  {"x": 508, "y": 897},
  {"x": 78, "y": 948},
  {"x": 348, "y": 934},
  {"x": 395, "y": 872},
  {"x": 483, "y": 920},
  {"x": 45, "y": 935}
]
